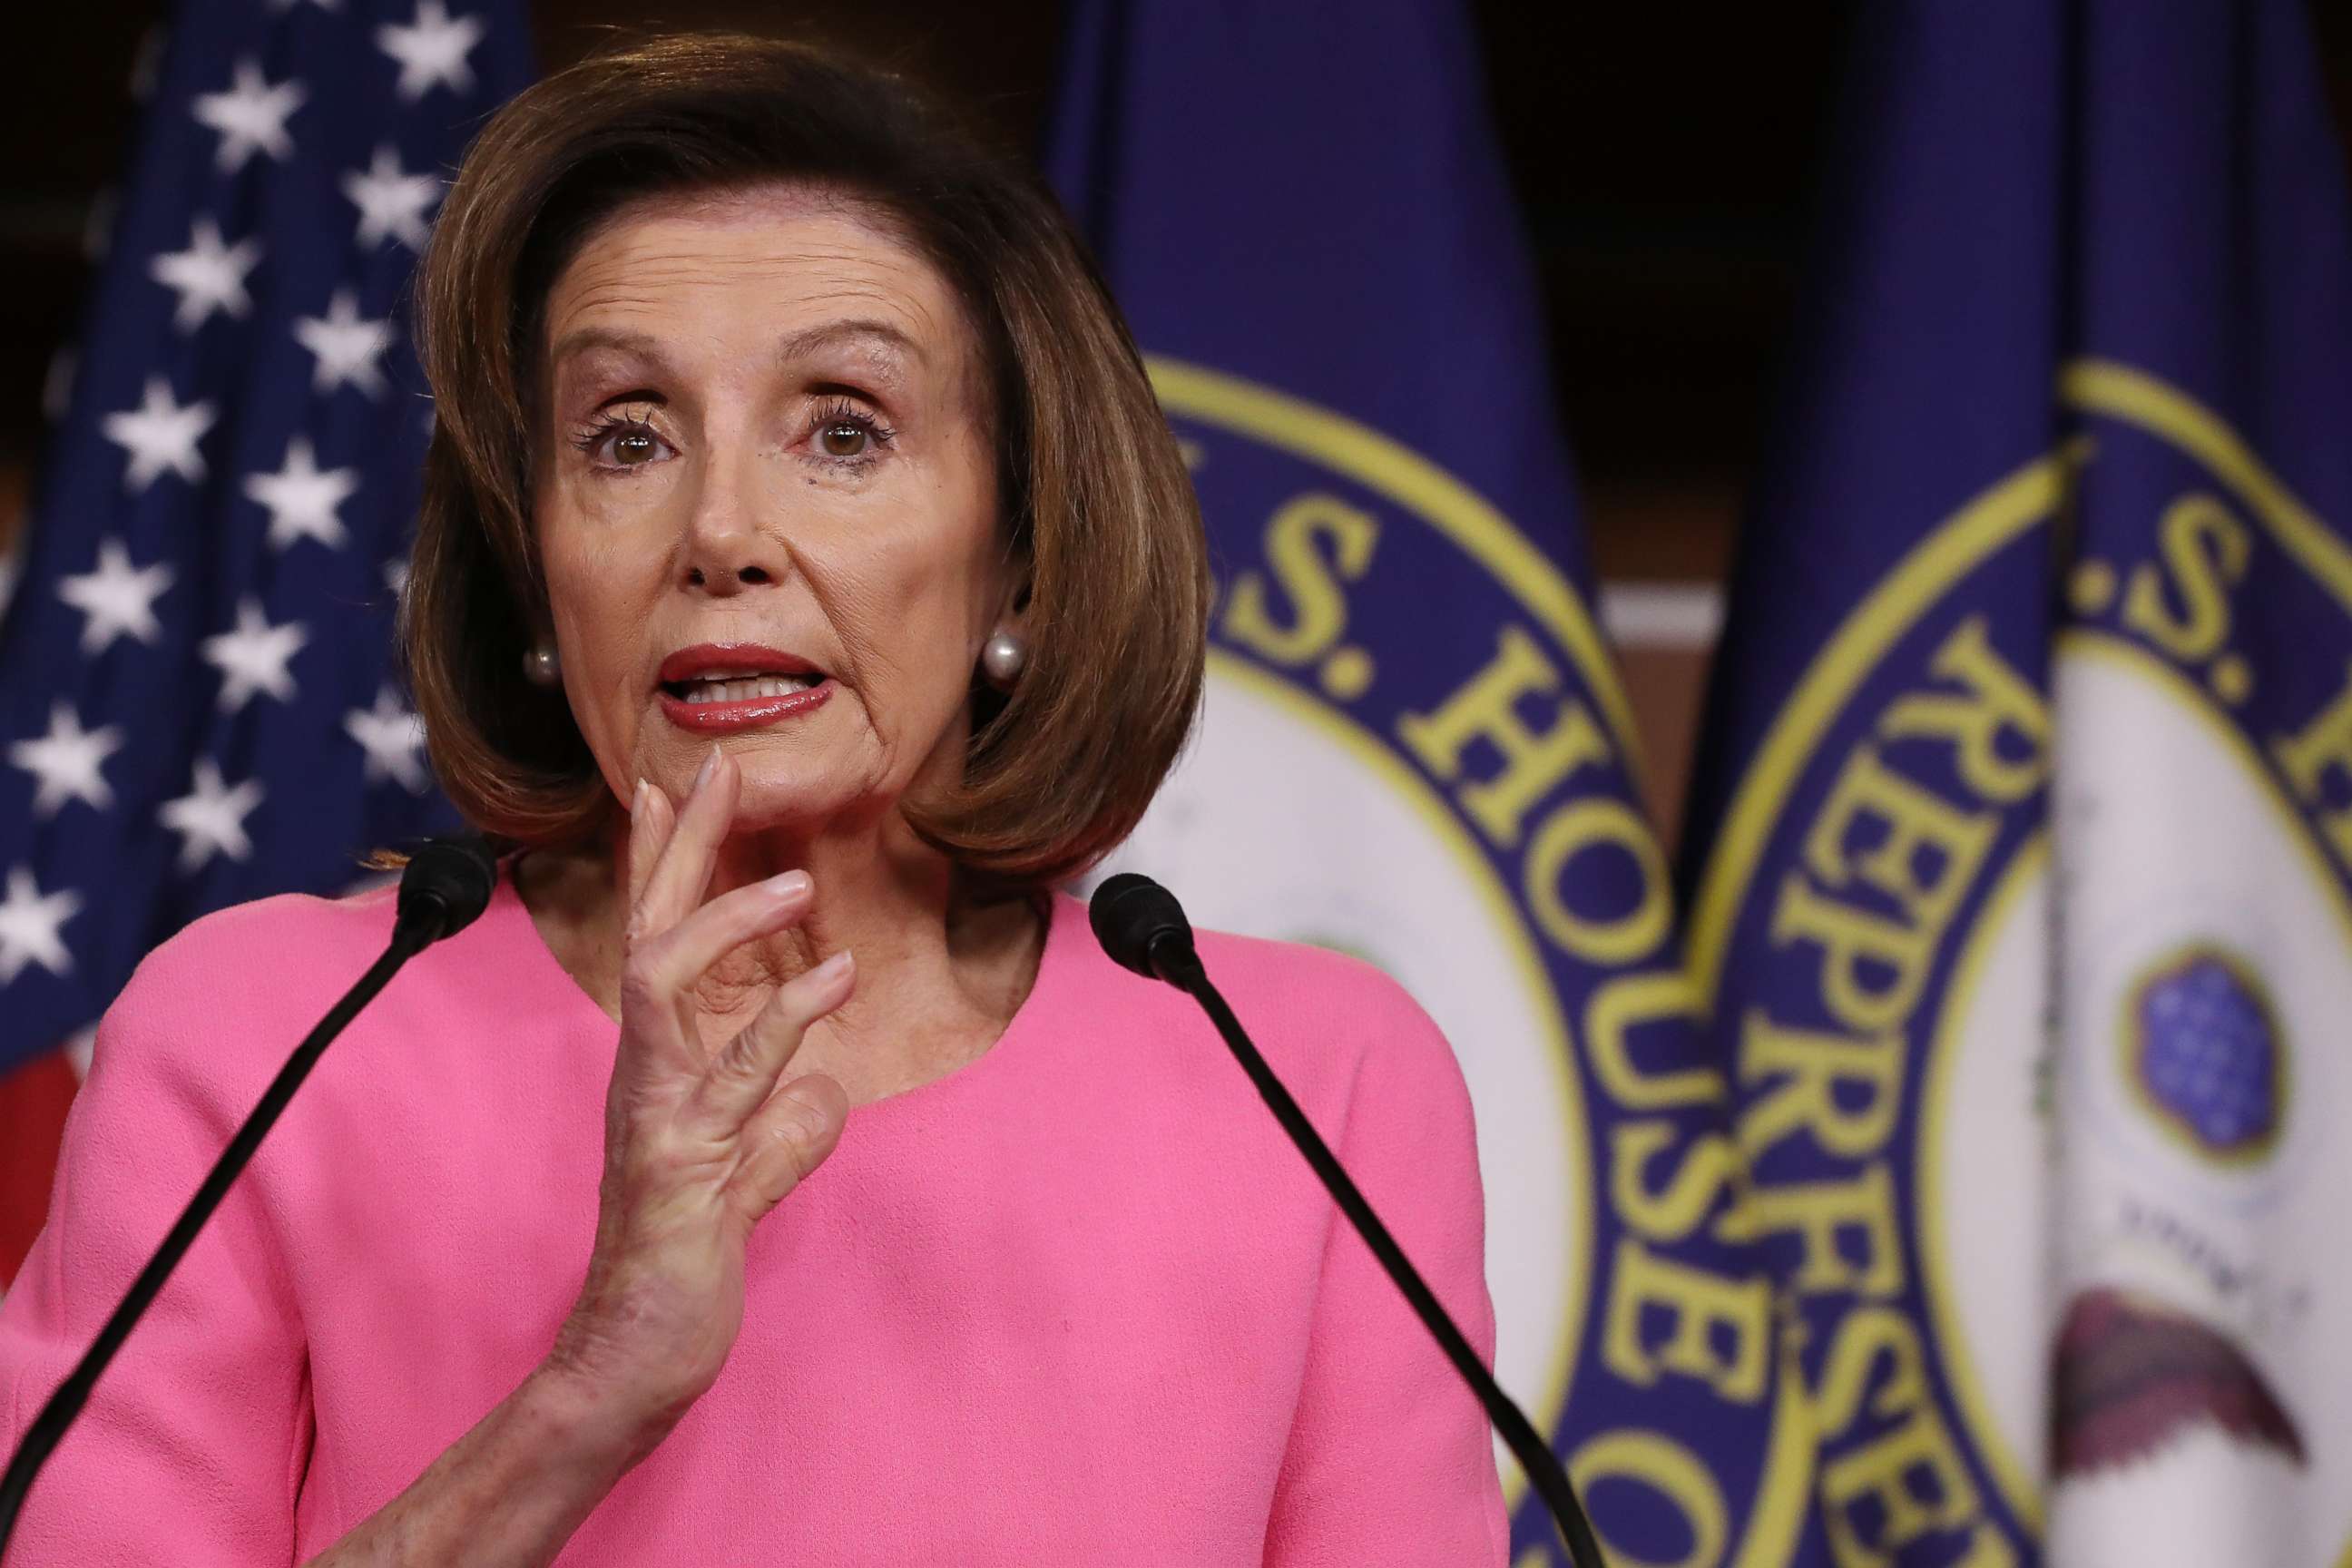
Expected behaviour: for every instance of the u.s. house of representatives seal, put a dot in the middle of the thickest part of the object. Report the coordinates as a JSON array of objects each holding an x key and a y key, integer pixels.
[
  {"x": 2031, "y": 920},
  {"x": 2204, "y": 825},
  {"x": 1415, "y": 750}
]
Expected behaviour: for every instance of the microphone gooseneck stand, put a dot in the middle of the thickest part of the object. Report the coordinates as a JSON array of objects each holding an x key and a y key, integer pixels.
[
  {"x": 446, "y": 884},
  {"x": 1142, "y": 928}
]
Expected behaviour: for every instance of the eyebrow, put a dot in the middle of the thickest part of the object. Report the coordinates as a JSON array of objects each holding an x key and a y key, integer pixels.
[
  {"x": 807, "y": 340},
  {"x": 873, "y": 329}
]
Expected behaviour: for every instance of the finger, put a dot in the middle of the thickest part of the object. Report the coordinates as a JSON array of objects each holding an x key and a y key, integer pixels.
[
  {"x": 744, "y": 1073},
  {"x": 681, "y": 874},
  {"x": 647, "y": 925},
  {"x": 660, "y": 1038},
  {"x": 787, "y": 1138},
  {"x": 661, "y": 968},
  {"x": 651, "y": 818}
]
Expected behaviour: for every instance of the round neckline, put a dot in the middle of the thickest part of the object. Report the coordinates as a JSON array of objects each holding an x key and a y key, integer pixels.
[{"x": 1061, "y": 910}]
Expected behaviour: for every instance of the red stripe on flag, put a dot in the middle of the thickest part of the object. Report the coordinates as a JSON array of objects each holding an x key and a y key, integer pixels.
[{"x": 32, "y": 1102}]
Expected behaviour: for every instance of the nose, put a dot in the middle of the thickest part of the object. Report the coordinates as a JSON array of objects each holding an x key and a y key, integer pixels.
[{"x": 727, "y": 549}]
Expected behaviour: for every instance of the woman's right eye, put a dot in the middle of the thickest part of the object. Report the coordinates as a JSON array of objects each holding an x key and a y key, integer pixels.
[
  {"x": 618, "y": 442},
  {"x": 634, "y": 446}
]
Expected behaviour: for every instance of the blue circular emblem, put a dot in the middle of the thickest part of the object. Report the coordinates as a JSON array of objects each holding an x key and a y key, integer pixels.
[{"x": 2205, "y": 1051}]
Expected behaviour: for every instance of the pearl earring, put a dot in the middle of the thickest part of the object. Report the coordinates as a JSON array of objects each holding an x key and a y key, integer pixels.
[
  {"x": 539, "y": 665},
  {"x": 1001, "y": 658}
]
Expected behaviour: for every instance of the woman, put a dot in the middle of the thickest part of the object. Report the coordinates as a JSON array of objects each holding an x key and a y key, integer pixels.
[{"x": 807, "y": 584}]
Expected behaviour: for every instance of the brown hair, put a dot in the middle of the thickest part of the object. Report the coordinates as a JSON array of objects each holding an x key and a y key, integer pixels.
[{"x": 1095, "y": 498}]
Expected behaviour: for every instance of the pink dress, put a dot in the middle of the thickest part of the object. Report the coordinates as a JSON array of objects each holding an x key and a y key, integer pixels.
[{"x": 1077, "y": 1304}]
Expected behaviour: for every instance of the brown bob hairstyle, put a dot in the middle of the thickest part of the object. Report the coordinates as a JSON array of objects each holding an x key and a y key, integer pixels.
[{"x": 1095, "y": 505}]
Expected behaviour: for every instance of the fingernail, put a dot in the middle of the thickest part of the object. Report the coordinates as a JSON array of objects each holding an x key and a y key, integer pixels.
[
  {"x": 709, "y": 766},
  {"x": 637, "y": 798},
  {"x": 836, "y": 966},
  {"x": 788, "y": 887}
]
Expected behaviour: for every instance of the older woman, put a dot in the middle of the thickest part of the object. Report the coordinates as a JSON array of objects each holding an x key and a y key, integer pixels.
[{"x": 807, "y": 584}]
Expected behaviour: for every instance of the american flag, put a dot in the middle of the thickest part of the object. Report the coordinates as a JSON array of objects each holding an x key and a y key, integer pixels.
[{"x": 198, "y": 702}]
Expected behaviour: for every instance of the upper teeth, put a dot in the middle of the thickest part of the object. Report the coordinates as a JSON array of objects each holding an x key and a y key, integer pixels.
[{"x": 740, "y": 688}]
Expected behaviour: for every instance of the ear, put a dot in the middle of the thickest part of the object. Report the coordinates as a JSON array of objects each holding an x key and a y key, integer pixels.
[
  {"x": 1012, "y": 608},
  {"x": 1015, "y": 618}
]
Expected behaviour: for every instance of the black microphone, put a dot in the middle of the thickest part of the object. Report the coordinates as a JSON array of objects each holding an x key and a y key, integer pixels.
[
  {"x": 446, "y": 885},
  {"x": 1143, "y": 927}
]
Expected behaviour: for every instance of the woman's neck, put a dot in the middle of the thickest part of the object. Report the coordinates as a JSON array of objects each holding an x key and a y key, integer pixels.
[{"x": 939, "y": 973}]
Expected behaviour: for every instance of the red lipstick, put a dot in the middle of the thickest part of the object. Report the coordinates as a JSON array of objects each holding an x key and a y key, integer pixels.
[
  {"x": 736, "y": 661},
  {"x": 718, "y": 661}
]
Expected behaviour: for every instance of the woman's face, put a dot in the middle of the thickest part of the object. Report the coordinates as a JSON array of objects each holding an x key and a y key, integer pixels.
[{"x": 765, "y": 439}]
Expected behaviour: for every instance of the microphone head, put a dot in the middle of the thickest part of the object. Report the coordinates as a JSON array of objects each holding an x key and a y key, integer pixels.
[
  {"x": 446, "y": 884},
  {"x": 1131, "y": 915}
]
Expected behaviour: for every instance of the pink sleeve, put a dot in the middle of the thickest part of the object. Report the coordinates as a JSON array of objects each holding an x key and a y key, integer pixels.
[
  {"x": 1391, "y": 1458},
  {"x": 191, "y": 1448}
]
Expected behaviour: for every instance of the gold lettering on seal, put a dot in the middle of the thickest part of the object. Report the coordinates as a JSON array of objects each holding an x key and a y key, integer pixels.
[
  {"x": 2205, "y": 549},
  {"x": 2308, "y": 757},
  {"x": 1314, "y": 544},
  {"x": 1699, "y": 1303},
  {"x": 1910, "y": 1479},
  {"x": 1488, "y": 708},
  {"x": 1671, "y": 1473}
]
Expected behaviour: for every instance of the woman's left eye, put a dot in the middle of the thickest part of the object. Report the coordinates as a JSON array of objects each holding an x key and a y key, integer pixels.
[
  {"x": 849, "y": 434},
  {"x": 844, "y": 438}
]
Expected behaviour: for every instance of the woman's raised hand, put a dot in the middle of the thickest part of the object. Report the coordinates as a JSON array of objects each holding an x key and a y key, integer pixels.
[{"x": 699, "y": 1140}]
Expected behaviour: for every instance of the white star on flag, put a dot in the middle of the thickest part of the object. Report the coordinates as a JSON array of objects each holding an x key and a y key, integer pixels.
[
  {"x": 396, "y": 576},
  {"x": 431, "y": 50},
  {"x": 68, "y": 761},
  {"x": 392, "y": 202},
  {"x": 208, "y": 276},
  {"x": 250, "y": 116},
  {"x": 29, "y": 922},
  {"x": 391, "y": 737},
  {"x": 210, "y": 818},
  {"x": 302, "y": 499},
  {"x": 117, "y": 599},
  {"x": 254, "y": 657},
  {"x": 346, "y": 344},
  {"x": 160, "y": 433}
]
